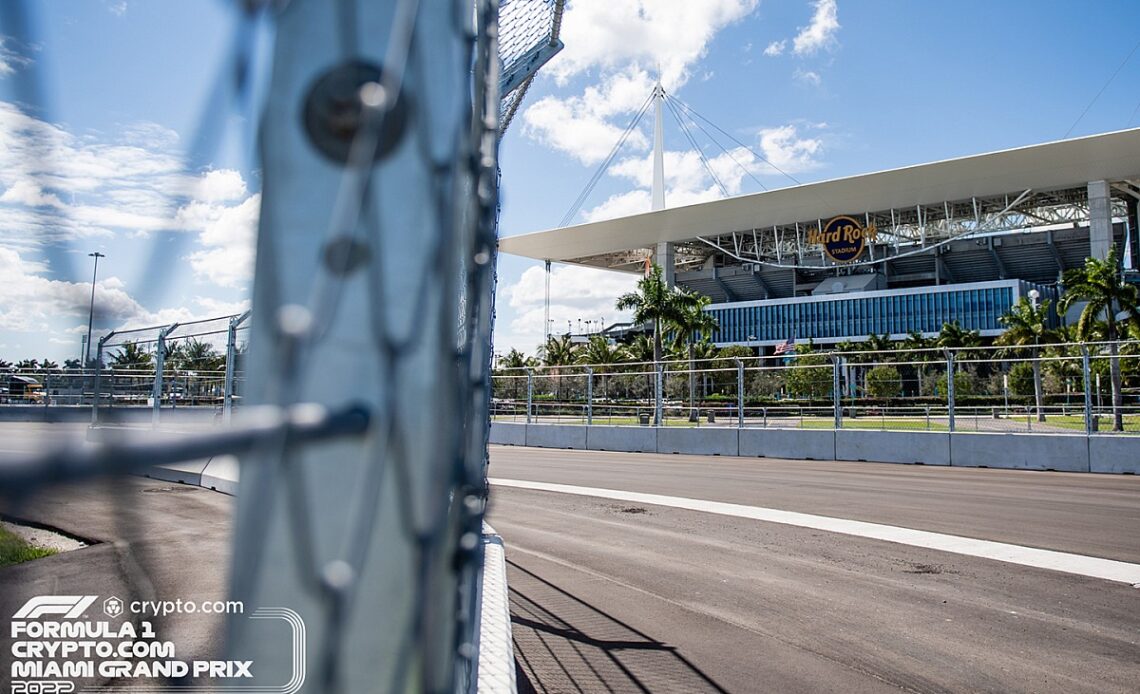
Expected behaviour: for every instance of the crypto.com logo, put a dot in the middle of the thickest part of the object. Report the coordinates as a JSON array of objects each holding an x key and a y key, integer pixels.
[{"x": 70, "y": 606}]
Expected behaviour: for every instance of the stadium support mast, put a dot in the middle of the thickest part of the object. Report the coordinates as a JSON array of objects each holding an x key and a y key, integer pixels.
[{"x": 663, "y": 255}]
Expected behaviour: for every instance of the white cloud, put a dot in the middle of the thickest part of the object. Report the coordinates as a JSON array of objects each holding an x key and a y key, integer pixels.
[
  {"x": 630, "y": 44},
  {"x": 10, "y": 59},
  {"x": 809, "y": 77},
  {"x": 670, "y": 34},
  {"x": 580, "y": 125},
  {"x": 576, "y": 293},
  {"x": 791, "y": 151},
  {"x": 31, "y": 302},
  {"x": 820, "y": 33},
  {"x": 57, "y": 187},
  {"x": 116, "y": 7},
  {"x": 788, "y": 149},
  {"x": 775, "y": 48},
  {"x": 229, "y": 236}
]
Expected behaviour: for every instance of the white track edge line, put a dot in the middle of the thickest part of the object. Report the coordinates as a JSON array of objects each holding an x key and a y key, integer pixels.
[{"x": 1092, "y": 567}]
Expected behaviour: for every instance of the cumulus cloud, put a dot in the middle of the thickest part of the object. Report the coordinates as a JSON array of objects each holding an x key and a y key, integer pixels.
[
  {"x": 820, "y": 32},
  {"x": 11, "y": 60},
  {"x": 631, "y": 44},
  {"x": 58, "y": 187},
  {"x": 576, "y": 293},
  {"x": 809, "y": 77},
  {"x": 787, "y": 149},
  {"x": 776, "y": 48}
]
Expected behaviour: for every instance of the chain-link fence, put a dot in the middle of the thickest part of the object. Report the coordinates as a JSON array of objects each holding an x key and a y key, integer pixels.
[{"x": 1056, "y": 388}]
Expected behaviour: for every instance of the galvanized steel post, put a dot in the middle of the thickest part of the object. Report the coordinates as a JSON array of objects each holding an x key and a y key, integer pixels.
[
  {"x": 739, "y": 393},
  {"x": 159, "y": 363},
  {"x": 529, "y": 393},
  {"x": 1086, "y": 373},
  {"x": 950, "y": 388},
  {"x": 231, "y": 356},
  {"x": 98, "y": 374},
  {"x": 836, "y": 398},
  {"x": 659, "y": 388},
  {"x": 589, "y": 396}
]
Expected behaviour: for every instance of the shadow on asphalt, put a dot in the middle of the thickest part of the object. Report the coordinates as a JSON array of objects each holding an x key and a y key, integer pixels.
[{"x": 563, "y": 643}]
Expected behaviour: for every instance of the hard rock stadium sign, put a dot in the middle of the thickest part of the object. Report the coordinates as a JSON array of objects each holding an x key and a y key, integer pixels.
[{"x": 843, "y": 238}]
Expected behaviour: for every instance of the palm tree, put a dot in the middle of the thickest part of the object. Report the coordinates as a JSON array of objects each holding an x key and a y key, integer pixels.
[
  {"x": 954, "y": 336},
  {"x": 1025, "y": 326},
  {"x": 559, "y": 351},
  {"x": 198, "y": 355},
  {"x": 916, "y": 347},
  {"x": 657, "y": 303},
  {"x": 1102, "y": 285},
  {"x": 695, "y": 323},
  {"x": 131, "y": 356},
  {"x": 516, "y": 360},
  {"x": 599, "y": 351}
]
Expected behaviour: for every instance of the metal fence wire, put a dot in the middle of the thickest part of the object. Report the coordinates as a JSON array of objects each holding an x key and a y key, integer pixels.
[{"x": 1057, "y": 388}]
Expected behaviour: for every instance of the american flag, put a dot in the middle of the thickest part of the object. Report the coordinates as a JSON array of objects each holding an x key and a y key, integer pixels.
[{"x": 787, "y": 347}]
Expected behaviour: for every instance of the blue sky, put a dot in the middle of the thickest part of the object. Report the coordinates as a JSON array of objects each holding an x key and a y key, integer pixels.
[{"x": 822, "y": 88}]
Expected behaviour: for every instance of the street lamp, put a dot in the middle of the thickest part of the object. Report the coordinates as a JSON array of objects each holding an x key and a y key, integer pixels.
[{"x": 91, "y": 313}]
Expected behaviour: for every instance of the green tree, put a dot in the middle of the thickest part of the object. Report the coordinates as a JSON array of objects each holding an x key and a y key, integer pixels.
[
  {"x": 48, "y": 365},
  {"x": 27, "y": 365},
  {"x": 1026, "y": 326},
  {"x": 131, "y": 356},
  {"x": 197, "y": 355},
  {"x": 954, "y": 336},
  {"x": 694, "y": 323},
  {"x": 72, "y": 364},
  {"x": 657, "y": 304},
  {"x": 515, "y": 359},
  {"x": 884, "y": 382},
  {"x": 1024, "y": 379},
  {"x": 811, "y": 374},
  {"x": 965, "y": 383},
  {"x": 559, "y": 351},
  {"x": 1101, "y": 284}
]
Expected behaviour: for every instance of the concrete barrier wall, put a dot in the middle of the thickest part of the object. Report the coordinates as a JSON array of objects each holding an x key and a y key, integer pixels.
[
  {"x": 797, "y": 444},
  {"x": 222, "y": 474},
  {"x": 508, "y": 433},
  {"x": 555, "y": 436},
  {"x": 928, "y": 448},
  {"x": 1021, "y": 451},
  {"x": 625, "y": 439},
  {"x": 185, "y": 473},
  {"x": 702, "y": 441},
  {"x": 1119, "y": 454}
]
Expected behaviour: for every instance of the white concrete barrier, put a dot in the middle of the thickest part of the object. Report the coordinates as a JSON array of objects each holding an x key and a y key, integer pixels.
[
  {"x": 1020, "y": 451},
  {"x": 701, "y": 440},
  {"x": 624, "y": 439},
  {"x": 799, "y": 444},
  {"x": 556, "y": 436},
  {"x": 1114, "y": 453},
  {"x": 508, "y": 433},
  {"x": 221, "y": 474},
  {"x": 185, "y": 473},
  {"x": 926, "y": 447}
]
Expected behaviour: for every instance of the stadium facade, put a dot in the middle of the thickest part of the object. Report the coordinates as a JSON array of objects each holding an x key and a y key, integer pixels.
[{"x": 890, "y": 252}]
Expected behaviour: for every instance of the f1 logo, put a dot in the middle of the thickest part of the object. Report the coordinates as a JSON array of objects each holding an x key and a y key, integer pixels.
[{"x": 70, "y": 606}]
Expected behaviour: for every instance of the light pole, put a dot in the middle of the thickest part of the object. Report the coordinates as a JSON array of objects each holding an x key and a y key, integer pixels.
[
  {"x": 91, "y": 313},
  {"x": 1034, "y": 295}
]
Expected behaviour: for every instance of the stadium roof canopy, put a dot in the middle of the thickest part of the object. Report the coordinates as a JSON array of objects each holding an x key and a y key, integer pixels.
[{"x": 913, "y": 207}]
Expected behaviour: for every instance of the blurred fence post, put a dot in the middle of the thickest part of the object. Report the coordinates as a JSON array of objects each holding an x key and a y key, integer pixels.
[
  {"x": 529, "y": 393},
  {"x": 950, "y": 389},
  {"x": 658, "y": 393},
  {"x": 159, "y": 363},
  {"x": 1085, "y": 372},
  {"x": 98, "y": 374},
  {"x": 231, "y": 356},
  {"x": 739, "y": 393},
  {"x": 589, "y": 395},
  {"x": 836, "y": 398}
]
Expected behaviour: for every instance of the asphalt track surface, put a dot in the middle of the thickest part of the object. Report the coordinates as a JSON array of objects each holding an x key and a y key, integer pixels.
[
  {"x": 148, "y": 540},
  {"x": 609, "y": 595}
]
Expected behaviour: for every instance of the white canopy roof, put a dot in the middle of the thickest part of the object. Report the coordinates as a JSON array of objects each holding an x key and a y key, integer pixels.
[{"x": 1052, "y": 166}]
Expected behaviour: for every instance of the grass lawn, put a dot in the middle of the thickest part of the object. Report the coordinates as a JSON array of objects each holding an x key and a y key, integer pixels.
[
  {"x": 879, "y": 424},
  {"x": 13, "y": 550}
]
